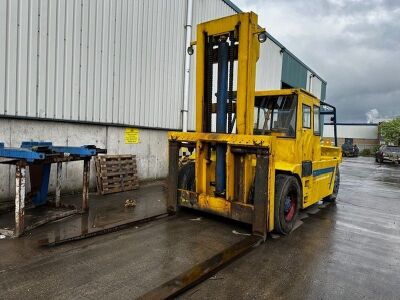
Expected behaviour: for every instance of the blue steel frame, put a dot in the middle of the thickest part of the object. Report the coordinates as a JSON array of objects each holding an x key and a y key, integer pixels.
[
  {"x": 28, "y": 153},
  {"x": 21, "y": 153},
  {"x": 40, "y": 196},
  {"x": 31, "y": 144},
  {"x": 81, "y": 151}
]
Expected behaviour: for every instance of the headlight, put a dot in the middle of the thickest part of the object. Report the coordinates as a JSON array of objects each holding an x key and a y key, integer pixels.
[
  {"x": 190, "y": 50},
  {"x": 262, "y": 37}
]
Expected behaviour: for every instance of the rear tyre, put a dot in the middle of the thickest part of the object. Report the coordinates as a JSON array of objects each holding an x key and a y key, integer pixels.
[
  {"x": 287, "y": 203},
  {"x": 333, "y": 196}
]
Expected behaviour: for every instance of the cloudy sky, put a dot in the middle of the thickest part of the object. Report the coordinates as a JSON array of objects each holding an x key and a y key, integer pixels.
[{"x": 354, "y": 45}]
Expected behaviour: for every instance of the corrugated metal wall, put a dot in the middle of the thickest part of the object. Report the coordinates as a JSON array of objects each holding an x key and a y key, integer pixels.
[
  {"x": 96, "y": 61},
  {"x": 203, "y": 10},
  {"x": 366, "y": 131},
  {"x": 269, "y": 67},
  {"x": 323, "y": 91},
  {"x": 314, "y": 85},
  {"x": 110, "y": 61},
  {"x": 293, "y": 73}
]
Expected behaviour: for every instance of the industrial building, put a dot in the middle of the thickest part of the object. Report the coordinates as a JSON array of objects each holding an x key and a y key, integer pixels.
[
  {"x": 364, "y": 135},
  {"x": 82, "y": 72}
]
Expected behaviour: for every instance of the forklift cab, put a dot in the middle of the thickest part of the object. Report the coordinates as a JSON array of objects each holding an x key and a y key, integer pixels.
[{"x": 293, "y": 117}]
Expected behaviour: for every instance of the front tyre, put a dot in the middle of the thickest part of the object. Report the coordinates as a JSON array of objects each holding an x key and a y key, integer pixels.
[
  {"x": 333, "y": 196},
  {"x": 287, "y": 203}
]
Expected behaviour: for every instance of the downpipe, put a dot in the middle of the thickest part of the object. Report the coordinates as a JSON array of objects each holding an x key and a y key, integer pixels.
[{"x": 186, "y": 81}]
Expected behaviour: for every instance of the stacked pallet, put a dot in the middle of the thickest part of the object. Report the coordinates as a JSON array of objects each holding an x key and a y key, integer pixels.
[{"x": 116, "y": 173}]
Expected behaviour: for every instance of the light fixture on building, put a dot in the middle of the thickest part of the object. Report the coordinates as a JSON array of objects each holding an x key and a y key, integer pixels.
[{"x": 262, "y": 37}]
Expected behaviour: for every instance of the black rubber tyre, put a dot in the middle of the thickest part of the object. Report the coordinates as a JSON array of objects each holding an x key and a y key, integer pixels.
[
  {"x": 287, "y": 203},
  {"x": 186, "y": 177},
  {"x": 336, "y": 185}
]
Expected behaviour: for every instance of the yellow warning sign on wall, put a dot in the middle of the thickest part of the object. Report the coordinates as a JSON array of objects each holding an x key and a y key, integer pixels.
[{"x": 131, "y": 136}]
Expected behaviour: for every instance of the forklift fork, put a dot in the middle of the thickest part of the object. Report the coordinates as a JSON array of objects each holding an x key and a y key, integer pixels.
[{"x": 260, "y": 200}]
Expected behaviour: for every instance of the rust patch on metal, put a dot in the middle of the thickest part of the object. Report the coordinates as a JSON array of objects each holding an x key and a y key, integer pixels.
[
  {"x": 173, "y": 177},
  {"x": 188, "y": 197},
  {"x": 57, "y": 216},
  {"x": 260, "y": 219},
  {"x": 20, "y": 199},
  {"x": 85, "y": 191},
  {"x": 113, "y": 228},
  {"x": 202, "y": 271},
  {"x": 242, "y": 212},
  {"x": 238, "y": 177},
  {"x": 58, "y": 185}
]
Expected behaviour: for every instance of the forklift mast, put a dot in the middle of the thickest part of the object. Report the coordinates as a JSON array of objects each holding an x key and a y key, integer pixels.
[{"x": 219, "y": 43}]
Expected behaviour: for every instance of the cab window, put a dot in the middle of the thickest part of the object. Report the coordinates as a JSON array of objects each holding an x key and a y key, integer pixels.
[
  {"x": 306, "y": 116},
  {"x": 317, "y": 124},
  {"x": 275, "y": 115}
]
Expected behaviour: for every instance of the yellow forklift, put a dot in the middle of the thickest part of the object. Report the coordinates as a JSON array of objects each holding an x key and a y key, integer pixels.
[{"x": 258, "y": 156}]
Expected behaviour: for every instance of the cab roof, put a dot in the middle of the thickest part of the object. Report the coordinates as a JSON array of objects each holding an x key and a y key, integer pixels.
[{"x": 284, "y": 92}]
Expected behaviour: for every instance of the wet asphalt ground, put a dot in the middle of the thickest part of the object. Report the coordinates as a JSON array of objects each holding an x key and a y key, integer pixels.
[{"x": 350, "y": 250}]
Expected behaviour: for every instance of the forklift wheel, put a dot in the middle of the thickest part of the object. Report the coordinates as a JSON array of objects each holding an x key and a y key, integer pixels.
[
  {"x": 287, "y": 203},
  {"x": 186, "y": 177},
  {"x": 333, "y": 196}
]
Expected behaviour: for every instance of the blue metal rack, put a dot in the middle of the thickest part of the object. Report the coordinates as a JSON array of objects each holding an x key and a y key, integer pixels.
[
  {"x": 39, "y": 156},
  {"x": 31, "y": 151},
  {"x": 20, "y": 153}
]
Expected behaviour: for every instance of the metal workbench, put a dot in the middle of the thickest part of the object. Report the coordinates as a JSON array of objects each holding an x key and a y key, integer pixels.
[{"x": 39, "y": 156}]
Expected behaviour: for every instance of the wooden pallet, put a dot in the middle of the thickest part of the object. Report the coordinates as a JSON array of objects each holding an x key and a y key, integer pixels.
[{"x": 116, "y": 173}]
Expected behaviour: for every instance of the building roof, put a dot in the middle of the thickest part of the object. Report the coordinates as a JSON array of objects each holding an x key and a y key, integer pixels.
[
  {"x": 354, "y": 124},
  {"x": 233, "y": 6}
]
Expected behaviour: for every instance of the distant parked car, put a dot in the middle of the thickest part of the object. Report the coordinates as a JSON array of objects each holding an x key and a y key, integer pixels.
[
  {"x": 387, "y": 153},
  {"x": 348, "y": 149}
]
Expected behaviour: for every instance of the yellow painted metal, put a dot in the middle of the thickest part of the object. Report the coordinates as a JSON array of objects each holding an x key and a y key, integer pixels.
[
  {"x": 247, "y": 28},
  {"x": 286, "y": 154},
  {"x": 249, "y": 52},
  {"x": 306, "y": 146}
]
